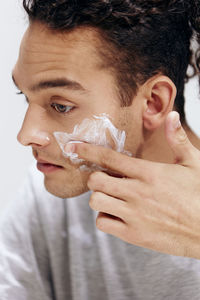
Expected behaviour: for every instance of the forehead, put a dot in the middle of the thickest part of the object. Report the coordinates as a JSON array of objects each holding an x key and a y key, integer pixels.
[{"x": 43, "y": 50}]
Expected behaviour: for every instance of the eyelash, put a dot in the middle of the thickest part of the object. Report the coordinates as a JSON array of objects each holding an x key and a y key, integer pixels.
[
  {"x": 55, "y": 106},
  {"x": 21, "y": 93}
]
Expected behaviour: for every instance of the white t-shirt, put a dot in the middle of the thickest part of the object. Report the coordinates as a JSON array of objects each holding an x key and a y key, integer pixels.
[{"x": 50, "y": 248}]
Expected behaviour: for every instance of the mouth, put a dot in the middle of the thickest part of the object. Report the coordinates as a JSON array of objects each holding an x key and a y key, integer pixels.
[{"x": 47, "y": 167}]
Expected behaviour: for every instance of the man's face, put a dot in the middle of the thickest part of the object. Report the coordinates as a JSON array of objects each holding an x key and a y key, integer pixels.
[{"x": 60, "y": 75}]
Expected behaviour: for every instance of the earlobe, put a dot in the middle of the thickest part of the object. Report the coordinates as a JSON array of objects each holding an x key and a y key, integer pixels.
[{"x": 160, "y": 96}]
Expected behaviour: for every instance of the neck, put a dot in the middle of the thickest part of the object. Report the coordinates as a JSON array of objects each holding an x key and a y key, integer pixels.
[{"x": 157, "y": 149}]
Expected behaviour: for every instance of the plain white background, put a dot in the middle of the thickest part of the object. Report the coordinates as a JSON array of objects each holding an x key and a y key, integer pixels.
[{"x": 14, "y": 158}]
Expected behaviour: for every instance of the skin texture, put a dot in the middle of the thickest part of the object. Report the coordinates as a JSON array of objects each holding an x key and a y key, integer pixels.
[
  {"x": 156, "y": 208},
  {"x": 49, "y": 55},
  {"x": 46, "y": 55},
  {"x": 142, "y": 202}
]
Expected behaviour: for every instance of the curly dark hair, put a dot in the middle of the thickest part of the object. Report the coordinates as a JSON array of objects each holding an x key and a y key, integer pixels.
[{"x": 141, "y": 38}]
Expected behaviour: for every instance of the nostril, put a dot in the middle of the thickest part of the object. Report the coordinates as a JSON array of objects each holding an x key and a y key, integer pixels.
[{"x": 34, "y": 145}]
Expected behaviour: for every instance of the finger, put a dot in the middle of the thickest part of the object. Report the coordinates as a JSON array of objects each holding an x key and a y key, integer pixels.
[
  {"x": 178, "y": 140},
  {"x": 112, "y": 160},
  {"x": 107, "y": 204},
  {"x": 121, "y": 188},
  {"x": 110, "y": 224}
]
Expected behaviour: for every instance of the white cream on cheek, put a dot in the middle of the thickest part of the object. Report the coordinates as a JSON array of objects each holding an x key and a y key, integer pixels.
[{"x": 94, "y": 131}]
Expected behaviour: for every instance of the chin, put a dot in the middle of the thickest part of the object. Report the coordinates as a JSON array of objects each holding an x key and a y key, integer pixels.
[{"x": 65, "y": 190}]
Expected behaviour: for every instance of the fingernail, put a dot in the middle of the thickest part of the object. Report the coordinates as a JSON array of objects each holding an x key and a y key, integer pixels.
[
  {"x": 176, "y": 123},
  {"x": 69, "y": 148}
]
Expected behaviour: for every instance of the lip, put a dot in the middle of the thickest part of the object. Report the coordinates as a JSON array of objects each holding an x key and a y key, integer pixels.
[{"x": 47, "y": 167}]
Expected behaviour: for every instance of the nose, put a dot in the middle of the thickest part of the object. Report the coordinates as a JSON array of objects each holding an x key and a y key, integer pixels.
[{"x": 32, "y": 132}]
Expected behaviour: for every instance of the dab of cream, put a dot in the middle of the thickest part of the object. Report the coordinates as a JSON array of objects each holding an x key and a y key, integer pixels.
[{"x": 94, "y": 131}]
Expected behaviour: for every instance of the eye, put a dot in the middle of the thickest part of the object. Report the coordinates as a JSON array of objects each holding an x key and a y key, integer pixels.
[{"x": 62, "y": 108}]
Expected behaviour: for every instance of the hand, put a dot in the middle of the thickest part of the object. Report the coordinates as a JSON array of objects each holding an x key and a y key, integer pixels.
[{"x": 153, "y": 205}]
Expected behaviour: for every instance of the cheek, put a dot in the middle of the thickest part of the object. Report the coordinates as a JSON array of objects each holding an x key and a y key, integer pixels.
[
  {"x": 99, "y": 130},
  {"x": 133, "y": 126},
  {"x": 134, "y": 141}
]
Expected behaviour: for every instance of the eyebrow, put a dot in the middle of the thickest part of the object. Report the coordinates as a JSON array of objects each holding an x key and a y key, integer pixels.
[{"x": 55, "y": 83}]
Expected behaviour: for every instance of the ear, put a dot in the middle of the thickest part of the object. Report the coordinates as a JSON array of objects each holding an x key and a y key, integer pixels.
[{"x": 160, "y": 93}]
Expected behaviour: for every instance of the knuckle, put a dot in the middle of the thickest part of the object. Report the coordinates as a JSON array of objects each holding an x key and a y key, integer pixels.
[
  {"x": 94, "y": 201},
  {"x": 149, "y": 173},
  {"x": 93, "y": 176},
  {"x": 106, "y": 157},
  {"x": 116, "y": 189},
  {"x": 153, "y": 177},
  {"x": 93, "y": 179},
  {"x": 150, "y": 178},
  {"x": 100, "y": 224},
  {"x": 182, "y": 138},
  {"x": 97, "y": 181}
]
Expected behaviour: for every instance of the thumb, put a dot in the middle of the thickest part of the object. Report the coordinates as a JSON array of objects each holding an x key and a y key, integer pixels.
[{"x": 178, "y": 140}]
